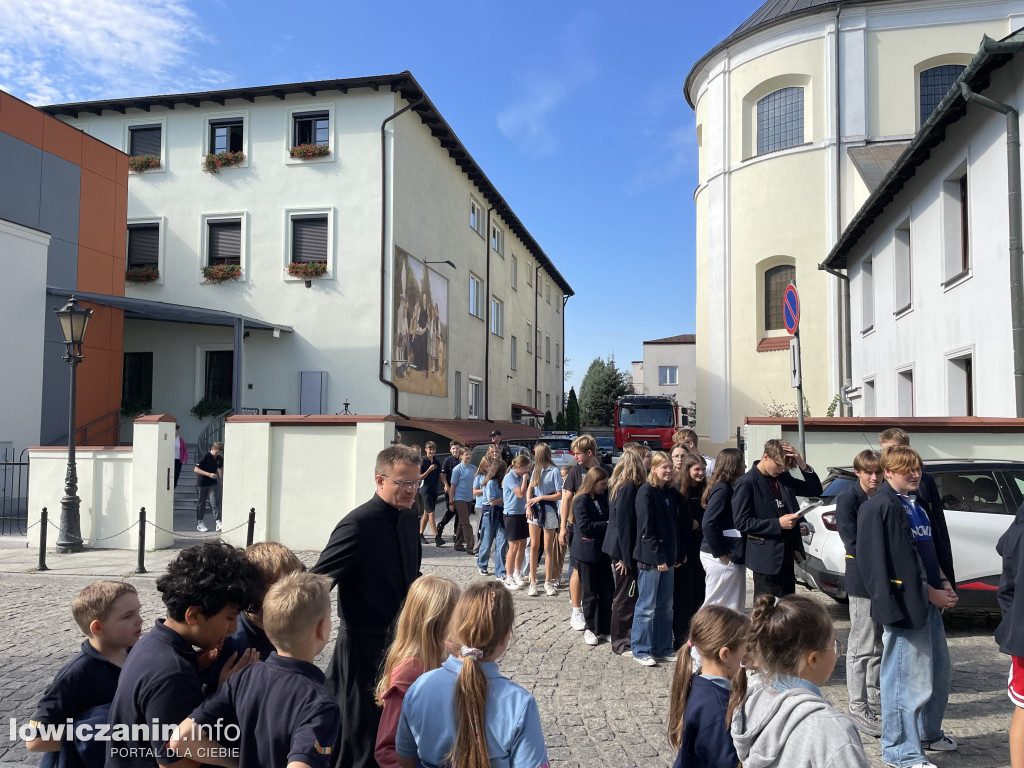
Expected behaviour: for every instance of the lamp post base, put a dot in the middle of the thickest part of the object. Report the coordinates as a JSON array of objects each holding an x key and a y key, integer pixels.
[{"x": 69, "y": 540}]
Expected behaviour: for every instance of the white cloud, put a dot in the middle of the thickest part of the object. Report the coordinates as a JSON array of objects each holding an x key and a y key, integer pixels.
[
  {"x": 527, "y": 120},
  {"x": 70, "y": 50},
  {"x": 672, "y": 152}
]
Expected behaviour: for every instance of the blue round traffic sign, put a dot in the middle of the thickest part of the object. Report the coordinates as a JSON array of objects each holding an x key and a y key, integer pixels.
[{"x": 791, "y": 308}]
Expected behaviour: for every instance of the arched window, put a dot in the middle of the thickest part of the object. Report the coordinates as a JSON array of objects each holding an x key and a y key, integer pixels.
[
  {"x": 775, "y": 281},
  {"x": 933, "y": 84},
  {"x": 780, "y": 120}
]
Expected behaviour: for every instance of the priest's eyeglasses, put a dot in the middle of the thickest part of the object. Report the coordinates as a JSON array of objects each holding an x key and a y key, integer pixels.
[{"x": 406, "y": 485}]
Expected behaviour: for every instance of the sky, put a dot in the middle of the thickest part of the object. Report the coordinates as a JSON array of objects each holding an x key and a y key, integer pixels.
[{"x": 575, "y": 111}]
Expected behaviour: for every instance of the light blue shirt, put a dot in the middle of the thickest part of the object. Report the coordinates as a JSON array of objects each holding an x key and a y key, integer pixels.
[
  {"x": 491, "y": 491},
  {"x": 426, "y": 730},
  {"x": 478, "y": 482},
  {"x": 785, "y": 682},
  {"x": 550, "y": 482},
  {"x": 513, "y": 504},
  {"x": 462, "y": 479}
]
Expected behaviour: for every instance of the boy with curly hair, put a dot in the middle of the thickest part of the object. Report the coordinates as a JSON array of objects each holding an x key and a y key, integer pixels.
[{"x": 204, "y": 589}]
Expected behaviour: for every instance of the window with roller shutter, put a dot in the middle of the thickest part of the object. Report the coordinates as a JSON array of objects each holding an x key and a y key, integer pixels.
[
  {"x": 309, "y": 238},
  {"x": 143, "y": 245},
  {"x": 224, "y": 241},
  {"x": 144, "y": 140}
]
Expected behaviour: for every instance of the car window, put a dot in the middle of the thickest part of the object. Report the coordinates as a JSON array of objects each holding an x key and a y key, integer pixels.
[
  {"x": 1015, "y": 478},
  {"x": 836, "y": 485},
  {"x": 559, "y": 445},
  {"x": 605, "y": 442},
  {"x": 970, "y": 491}
]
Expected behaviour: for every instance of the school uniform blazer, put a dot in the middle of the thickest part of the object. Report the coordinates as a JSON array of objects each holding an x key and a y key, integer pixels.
[
  {"x": 1010, "y": 632},
  {"x": 591, "y": 516},
  {"x": 657, "y": 518},
  {"x": 848, "y": 503},
  {"x": 718, "y": 518},
  {"x": 373, "y": 556},
  {"x": 757, "y": 515},
  {"x": 893, "y": 573},
  {"x": 929, "y": 493},
  {"x": 621, "y": 535}
]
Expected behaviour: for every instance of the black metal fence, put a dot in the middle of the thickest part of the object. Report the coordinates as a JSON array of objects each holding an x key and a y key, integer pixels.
[{"x": 13, "y": 492}]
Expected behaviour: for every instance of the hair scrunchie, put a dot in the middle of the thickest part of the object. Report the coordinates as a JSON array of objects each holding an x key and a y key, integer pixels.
[{"x": 472, "y": 653}]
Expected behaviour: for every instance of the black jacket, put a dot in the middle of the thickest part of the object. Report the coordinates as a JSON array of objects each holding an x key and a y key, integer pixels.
[
  {"x": 621, "y": 536},
  {"x": 757, "y": 515},
  {"x": 718, "y": 518},
  {"x": 893, "y": 573},
  {"x": 373, "y": 556},
  {"x": 1010, "y": 632},
  {"x": 657, "y": 521},
  {"x": 589, "y": 529},
  {"x": 848, "y": 503},
  {"x": 929, "y": 492}
]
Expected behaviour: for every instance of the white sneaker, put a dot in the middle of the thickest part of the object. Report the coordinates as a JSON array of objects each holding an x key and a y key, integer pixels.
[
  {"x": 925, "y": 764},
  {"x": 670, "y": 657},
  {"x": 532, "y": 591},
  {"x": 218, "y": 526},
  {"x": 627, "y": 654},
  {"x": 945, "y": 744},
  {"x": 647, "y": 661},
  {"x": 590, "y": 638},
  {"x": 512, "y": 584},
  {"x": 201, "y": 527},
  {"x": 518, "y": 579},
  {"x": 550, "y": 589},
  {"x": 577, "y": 621}
]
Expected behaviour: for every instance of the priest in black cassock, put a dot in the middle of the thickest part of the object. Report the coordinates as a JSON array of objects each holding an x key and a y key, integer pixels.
[{"x": 373, "y": 556}]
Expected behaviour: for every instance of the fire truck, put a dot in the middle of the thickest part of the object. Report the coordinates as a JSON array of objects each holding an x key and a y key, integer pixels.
[{"x": 651, "y": 419}]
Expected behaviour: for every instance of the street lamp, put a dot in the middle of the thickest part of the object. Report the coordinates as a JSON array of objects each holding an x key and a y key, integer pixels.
[
  {"x": 449, "y": 262},
  {"x": 73, "y": 321}
]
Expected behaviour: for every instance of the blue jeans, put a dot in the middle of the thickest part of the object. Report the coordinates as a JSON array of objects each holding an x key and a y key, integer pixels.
[
  {"x": 652, "y": 618},
  {"x": 492, "y": 531},
  {"x": 914, "y": 681}
]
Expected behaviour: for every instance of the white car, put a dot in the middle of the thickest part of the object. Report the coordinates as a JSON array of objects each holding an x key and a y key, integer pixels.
[
  {"x": 561, "y": 450},
  {"x": 980, "y": 498}
]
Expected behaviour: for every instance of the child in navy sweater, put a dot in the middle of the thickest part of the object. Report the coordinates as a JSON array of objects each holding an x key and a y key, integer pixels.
[{"x": 698, "y": 722}]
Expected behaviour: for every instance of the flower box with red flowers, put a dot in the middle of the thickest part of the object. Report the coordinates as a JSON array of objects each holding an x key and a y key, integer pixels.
[
  {"x": 212, "y": 163},
  {"x": 143, "y": 163},
  {"x": 310, "y": 151},
  {"x": 307, "y": 269},
  {"x": 141, "y": 275},
  {"x": 220, "y": 273}
]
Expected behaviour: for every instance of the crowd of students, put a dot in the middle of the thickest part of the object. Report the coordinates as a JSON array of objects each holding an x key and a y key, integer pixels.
[{"x": 658, "y": 553}]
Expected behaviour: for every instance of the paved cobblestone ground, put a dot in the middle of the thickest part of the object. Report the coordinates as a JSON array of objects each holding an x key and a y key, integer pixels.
[{"x": 598, "y": 709}]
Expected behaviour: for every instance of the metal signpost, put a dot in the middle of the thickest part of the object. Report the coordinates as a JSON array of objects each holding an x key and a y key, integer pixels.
[{"x": 791, "y": 314}]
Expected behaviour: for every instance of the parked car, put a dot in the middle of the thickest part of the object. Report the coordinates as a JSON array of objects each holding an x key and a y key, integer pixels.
[
  {"x": 606, "y": 449},
  {"x": 980, "y": 498},
  {"x": 481, "y": 450},
  {"x": 561, "y": 450}
]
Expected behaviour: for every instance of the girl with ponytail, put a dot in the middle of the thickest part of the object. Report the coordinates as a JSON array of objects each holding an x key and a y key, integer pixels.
[
  {"x": 466, "y": 714},
  {"x": 697, "y": 724},
  {"x": 781, "y": 720}
]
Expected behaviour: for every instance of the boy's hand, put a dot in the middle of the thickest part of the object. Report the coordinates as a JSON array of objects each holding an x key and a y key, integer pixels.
[{"x": 236, "y": 662}]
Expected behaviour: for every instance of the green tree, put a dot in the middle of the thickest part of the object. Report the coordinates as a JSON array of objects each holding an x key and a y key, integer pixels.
[
  {"x": 602, "y": 386},
  {"x": 572, "y": 412},
  {"x": 549, "y": 423},
  {"x": 560, "y": 421}
]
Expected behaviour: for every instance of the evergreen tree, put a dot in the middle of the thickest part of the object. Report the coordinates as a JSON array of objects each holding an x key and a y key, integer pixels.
[
  {"x": 560, "y": 421},
  {"x": 572, "y": 412},
  {"x": 549, "y": 423},
  {"x": 602, "y": 386}
]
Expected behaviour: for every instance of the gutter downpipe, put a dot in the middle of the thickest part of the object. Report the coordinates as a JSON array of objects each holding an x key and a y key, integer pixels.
[
  {"x": 844, "y": 330},
  {"x": 1016, "y": 266},
  {"x": 384, "y": 249},
  {"x": 565, "y": 300},
  {"x": 536, "y": 335},
  {"x": 487, "y": 320}
]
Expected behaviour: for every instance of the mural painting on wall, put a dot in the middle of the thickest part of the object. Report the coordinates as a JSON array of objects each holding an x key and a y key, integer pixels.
[{"x": 420, "y": 351}]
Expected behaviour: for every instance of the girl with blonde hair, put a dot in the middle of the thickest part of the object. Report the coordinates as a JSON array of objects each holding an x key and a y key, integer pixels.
[
  {"x": 419, "y": 646},
  {"x": 466, "y": 714},
  {"x": 544, "y": 491},
  {"x": 627, "y": 477},
  {"x": 660, "y": 548}
]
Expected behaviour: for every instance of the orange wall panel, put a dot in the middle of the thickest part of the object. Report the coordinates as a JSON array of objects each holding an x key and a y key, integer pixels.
[
  {"x": 96, "y": 213},
  {"x": 95, "y": 271},
  {"x": 21, "y": 120},
  {"x": 63, "y": 141},
  {"x": 102, "y": 159}
]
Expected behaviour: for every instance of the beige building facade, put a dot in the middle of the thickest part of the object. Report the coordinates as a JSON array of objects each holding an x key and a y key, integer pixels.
[{"x": 799, "y": 114}]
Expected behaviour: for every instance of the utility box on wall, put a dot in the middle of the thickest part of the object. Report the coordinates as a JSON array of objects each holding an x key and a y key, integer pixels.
[{"x": 312, "y": 392}]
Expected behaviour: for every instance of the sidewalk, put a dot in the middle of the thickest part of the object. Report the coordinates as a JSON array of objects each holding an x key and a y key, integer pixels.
[{"x": 114, "y": 563}]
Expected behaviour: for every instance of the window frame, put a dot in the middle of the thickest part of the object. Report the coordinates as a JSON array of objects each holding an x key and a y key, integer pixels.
[
  {"x": 290, "y": 215},
  {"x": 902, "y": 255},
  {"x": 513, "y": 353},
  {"x": 139, "y": 122},
  {"x": 204, "y": 240},
  {"x": 160, "y": 223},
  {"x": 558, "y": 354},
  {"x": 497, "y": 240},
  {"x": 867, "y": 294},
  {"x": 477, "y": 207},
  {"x": 497, "y": 316},
  {"x": 919, "y": 88},
  {"x": 126, "y": 368},
  {"x": 788, "y": 138},
  {"x": 903, "y": 375},
  {"x": 289, "y": 133},
  {"x": 514, "y": 266},
  {"x": 670, "y": 380},
  {"x": 767, "y": 297},
  {"x": 475, "y": 405},
  {"x": 547, "y": 347},
  {"x": 209, "y": 118},
  {"x": 957, "y": 263},
  {"x": 476, "y": 300},
  {"x": 529, "y": 337}
]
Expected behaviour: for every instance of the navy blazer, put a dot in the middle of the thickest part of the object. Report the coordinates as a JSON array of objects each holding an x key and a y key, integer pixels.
[
  {"x": 657, "y": 521},
  {"x": 718, "y": 518},
  {"x": 621, "y": 536},
  {"x": 706, "y": 742},
  {"x": 757, "y": 515},
  {"x": 890, "y": 566},
  {"x": 591, "y": 523},
  {"x": 1010, "y": 632},
  {"x": 848, "y": 503}
]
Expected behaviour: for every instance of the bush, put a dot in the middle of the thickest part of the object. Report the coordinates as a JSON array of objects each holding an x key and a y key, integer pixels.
[
  {"x": 143, "y": 163},
  {"x": 209, "y": 407}
]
